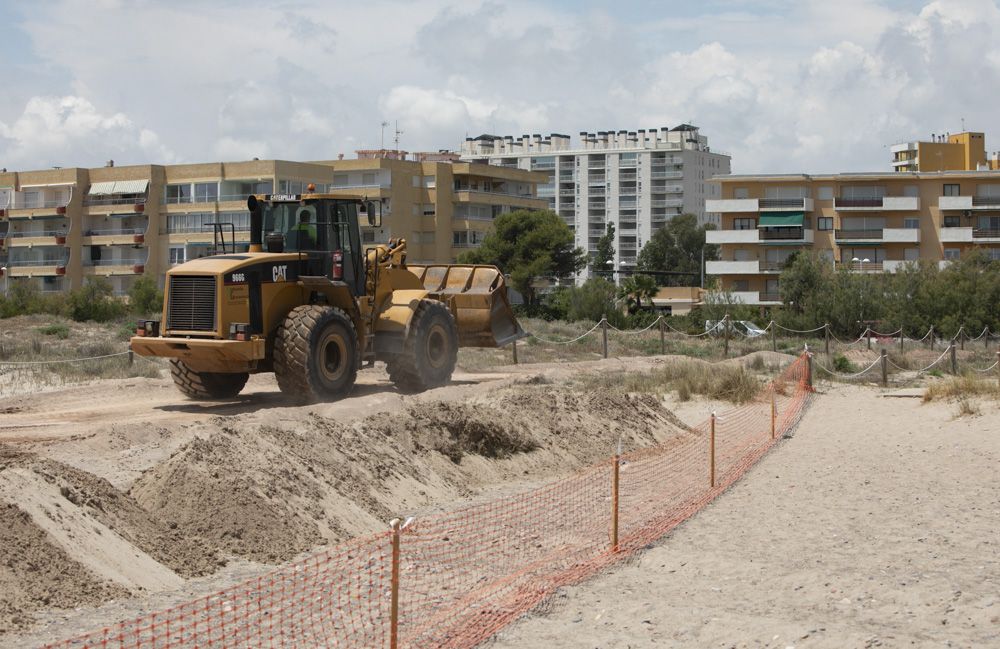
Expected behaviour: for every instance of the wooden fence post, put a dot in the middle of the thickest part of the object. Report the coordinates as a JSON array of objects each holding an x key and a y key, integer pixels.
[
  {"x": 394, "y": 587},
  {"x": 901, "y": 340},
  {"x": 954, "y": 361},
  {"x": 514, "y": 349},
  {"x": 774, "y": 413},
  {"x": 930, "y": 342},
  {"x": 604, "y": 334},
  {"x": 614, "y": 498},
  {"x": 131, "y": 356},
  {"x": 868, "y": 334},
  {"x": 711, "y": 452},
  {"x": 663, "y": 337},
  {"x": 826, "y": 336},
  {"x": 774, "y": 341},
  {"x": 725, "y": 328},
  {"x": 961, "y": 337},
  {"x": 885, "y": 368},
  {"x": 809, "y": 369},
  {"x": 986, "y": 338}
]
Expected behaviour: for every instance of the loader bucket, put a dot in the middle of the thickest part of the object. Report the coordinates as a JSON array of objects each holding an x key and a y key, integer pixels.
[{"x": 478, "y": 299}]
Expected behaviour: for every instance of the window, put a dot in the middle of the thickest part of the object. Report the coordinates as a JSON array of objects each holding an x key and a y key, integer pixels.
[
  {"x": 177, "y": 255},
  {"x": 32, "y": 199},
  {"x": 416, "y": 181},
  {"x": 741, "y": 254},
  {"x": 911, "y": 254},
  {"x": 178, "y": 194},
  {"x": 741, "y": 285},
  {"x": 862, "y": 192},
  {"x": 952, "y": 253},
  {"x": 744, "y": 224},
  {"x": 741, "y": 192},
  {"x": 460, "y": 238},
  {"x": 824, "y": 223},
  {"x": 428, "y": 209},
  {"x": 786, "y": 192},
  {"x": 988, "y": 191},
  {"x": 911, "y": 224},
  {"x": 952, "y": 189},
  {"x": 368, "y": 179},
  {"x": 952, "y": 221},
  {"x": 430, "y": 182},
  {"x": 993, "y": 254},
  {"x": 206, "y": 192},
  {"x": 825, "y": 193}
]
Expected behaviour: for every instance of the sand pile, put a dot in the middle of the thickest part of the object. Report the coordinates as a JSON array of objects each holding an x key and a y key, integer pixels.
[{"x": 269, "y": 491}]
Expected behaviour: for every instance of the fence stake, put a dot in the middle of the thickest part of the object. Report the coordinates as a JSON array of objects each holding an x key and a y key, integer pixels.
[
  {"x": 614, "y": 499},
  {"x": 986, "y": 338},
  {"x": 868, "y": 334},
  {"x": 809, "y": 369},
  {"x": 826, "y": 336},
  {"x": 961, "y": 337},
  {"x": 394, "y": 601},
  {"x": 131, "y": 356},
  {"x": 663, "y": 338},
  {"x": 604, "y": 334},
  {"x": 725, "y": 326},
  {"x": 885, "y": 368},
  {"x": 930, "y": 343},
  {"x": 954, "y": 362},
  {"x": 774, "y": 413},
  {"x": 711, "y": 452},
  {"x": 901, "y": 340},
  {"x": 774, "y": 341},
  {"x": 514, "y": 348},
  {"x": 998, "y": 369}
]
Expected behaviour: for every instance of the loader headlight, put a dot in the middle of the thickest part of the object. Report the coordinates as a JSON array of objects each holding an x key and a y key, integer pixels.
[
  {"x": 150, "y": 328},
  {"x": 239, "y": 331}
]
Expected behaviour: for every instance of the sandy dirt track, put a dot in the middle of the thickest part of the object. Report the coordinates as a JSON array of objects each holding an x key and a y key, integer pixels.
[{"x": 875, "y": 525}]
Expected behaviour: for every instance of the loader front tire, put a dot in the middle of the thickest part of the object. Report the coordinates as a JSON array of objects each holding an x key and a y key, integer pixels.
[
  {"x": 316, "y": 353},
  {"x": 430, "y": 350},
  {"x": 206, "y": 385}
]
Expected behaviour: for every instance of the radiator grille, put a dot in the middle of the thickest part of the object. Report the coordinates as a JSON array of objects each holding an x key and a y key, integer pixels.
[{"x": 192, "y": 303}]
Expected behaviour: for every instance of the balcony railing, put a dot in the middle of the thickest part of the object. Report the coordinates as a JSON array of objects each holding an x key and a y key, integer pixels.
[
  {"x": 627, "y": 176},
  {"x": 115, "y": 200},
  {"x": 861, "y": 266},
  {"x": 567, "y": 192},
  {"x": 984, "y": 233},
  {"x": 770, "y": 297},
  {"x": 986, "y": 201},
  {"x": 36, "y": 233},
  {"x": 858, "y": 202},
  {"x": 596, "y": 164},
  {"x": 114, "y": 262},
  {"x": 35, "y": 263},
  {"x": 666, "y": 174},
  {"x": 772, "y": 266},
  {"x": 781, "y": 234},
  {"x": 37, "y": 205},
  {"x": 110, "y": 233},
  {"x": 858, "y": 234},
  {"x": 775, "y": 203}
]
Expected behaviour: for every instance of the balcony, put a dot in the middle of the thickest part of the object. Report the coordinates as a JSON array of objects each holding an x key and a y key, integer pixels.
[
  {"x": 861, "y": 266},
  {"x": 106, "y": 267},
  {"x": 894, "y": 265},
  {"x": 567, "y": 192},
  {"x": 45, "y": 267},
  {"x": 627, "y": 177},
  {"x": 596, "y": 164},
  {"x": 756, "y": 298},
  {"x": 969, "y": 202},
  {"x": 661, "y": 175},
  {"x": 787, "y": 235},
  {"x": 597, "y": 180},
  {"x": 883, "y": 235},
  {"x": 673, "y": 202},
  {"x": 731, "y": 236},
  {"x": 896, "y": 203},
  {"x": 32, "y": 238},
  {"x": 956, "y": 235},
  {"x": 732, "y": 267},
  {"x": 727, "y": 205}
]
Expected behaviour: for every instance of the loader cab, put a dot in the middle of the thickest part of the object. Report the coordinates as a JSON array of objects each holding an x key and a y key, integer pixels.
[{"x": 324, "y": 230}]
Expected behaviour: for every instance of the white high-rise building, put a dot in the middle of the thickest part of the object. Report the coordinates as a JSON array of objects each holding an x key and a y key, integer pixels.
[{"x": 636, "y": 180}]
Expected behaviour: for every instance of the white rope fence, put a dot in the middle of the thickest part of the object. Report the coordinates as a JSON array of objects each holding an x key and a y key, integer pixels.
[{"x": 61, "y": 360}]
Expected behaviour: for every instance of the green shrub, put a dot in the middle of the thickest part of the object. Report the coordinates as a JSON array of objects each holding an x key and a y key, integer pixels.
[
  {"x": 144, "y": 297},
  {"x": 94, "y": 301},
  {"x": 843, "y": 365},
  {"x": 58, "y": 329}
]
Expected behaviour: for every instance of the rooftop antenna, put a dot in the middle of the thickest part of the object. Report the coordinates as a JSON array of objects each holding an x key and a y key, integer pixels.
[
  {"x": 384, "y": 124},
  {"x": 396, "y": 138},
  {"x": 963, "y": 125}
]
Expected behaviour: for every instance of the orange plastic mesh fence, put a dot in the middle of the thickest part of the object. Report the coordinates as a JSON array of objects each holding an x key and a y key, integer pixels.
[{"x": 467, "y": 573}]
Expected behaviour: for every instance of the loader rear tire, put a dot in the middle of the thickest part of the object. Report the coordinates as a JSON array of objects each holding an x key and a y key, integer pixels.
[
  {"x": 316, "y": 353},
  {"x": 430, "y": 350},
  {"x": 206, "y": 385}
]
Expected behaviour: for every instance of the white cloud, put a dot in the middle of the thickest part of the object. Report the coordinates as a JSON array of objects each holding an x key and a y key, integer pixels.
[
  {"x": 58, "y": 131},
  {"x": 804, "y": 85}
]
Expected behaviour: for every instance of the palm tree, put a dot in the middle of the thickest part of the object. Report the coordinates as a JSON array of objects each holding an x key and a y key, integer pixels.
[{"x": 635, "y": 290}]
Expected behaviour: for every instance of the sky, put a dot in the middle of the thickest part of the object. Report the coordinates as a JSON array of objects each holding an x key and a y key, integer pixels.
[{"x": 781, "y": 85}]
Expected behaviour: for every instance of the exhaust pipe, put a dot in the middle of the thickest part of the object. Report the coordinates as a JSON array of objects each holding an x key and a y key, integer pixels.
[{"x": 256, "y": 224}]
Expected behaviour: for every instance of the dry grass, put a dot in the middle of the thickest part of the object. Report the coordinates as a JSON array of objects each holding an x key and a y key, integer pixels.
[
  {"x": 733, "y": 383},
  {"x": 962, "y": 388}
]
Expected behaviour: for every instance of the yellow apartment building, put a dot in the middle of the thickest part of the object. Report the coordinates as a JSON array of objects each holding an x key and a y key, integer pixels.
[
  {"x": 862, "y": 222},
  {"x": 946, "y": 152},
  {"x": 60, "y": 226}
]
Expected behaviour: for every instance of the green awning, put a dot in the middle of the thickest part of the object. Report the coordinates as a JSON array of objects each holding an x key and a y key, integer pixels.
[{"x": 781, "y": 219}]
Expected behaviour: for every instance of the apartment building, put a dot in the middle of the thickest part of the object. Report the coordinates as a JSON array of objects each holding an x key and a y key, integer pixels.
[
  {"x": 945, "y": 152},
  {"x": 861, "y": 222},
  {"x": 60, "y": 226},
  {"x": 636, "y": 180}
]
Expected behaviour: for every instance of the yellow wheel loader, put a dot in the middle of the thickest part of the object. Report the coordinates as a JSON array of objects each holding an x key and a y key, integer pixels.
[{"x": 309, "y": 304}]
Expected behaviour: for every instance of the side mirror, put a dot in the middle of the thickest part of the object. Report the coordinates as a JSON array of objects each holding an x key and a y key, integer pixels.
[{"x": 374, "y": 218}]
